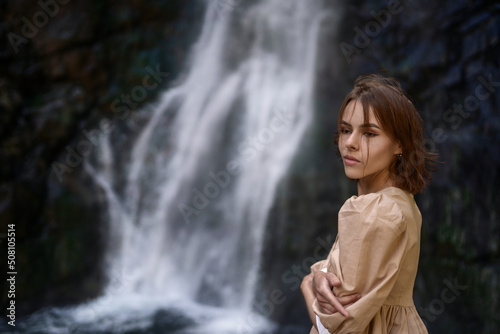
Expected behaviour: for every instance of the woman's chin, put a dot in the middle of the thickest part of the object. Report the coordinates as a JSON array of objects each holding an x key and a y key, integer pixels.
[{"x": 350, "y": 175}]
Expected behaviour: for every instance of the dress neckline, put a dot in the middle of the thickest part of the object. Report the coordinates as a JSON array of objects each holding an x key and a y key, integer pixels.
[{"x": 390, "y": 189}]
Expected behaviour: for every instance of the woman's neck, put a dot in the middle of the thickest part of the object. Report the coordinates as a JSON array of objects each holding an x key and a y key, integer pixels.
[{"x": 373, "y": 184}]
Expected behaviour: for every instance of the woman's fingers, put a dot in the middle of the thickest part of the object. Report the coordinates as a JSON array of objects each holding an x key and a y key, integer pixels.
[
  {"x": 332, "y": 299},
  {"x": 345, "y": 301},
  {"x": 323, "y": 284},
  {"x": 325, "y": 294},
  {"x": 327, "y": 308},
  {"x": 332, "y": 279},
  {"x": 348, "y": 300}
]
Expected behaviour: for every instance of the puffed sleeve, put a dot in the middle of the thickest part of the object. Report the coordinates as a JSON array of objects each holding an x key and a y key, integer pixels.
[
  {"x": 322, "y": 265},
  {"x": 371, "y": 245}
]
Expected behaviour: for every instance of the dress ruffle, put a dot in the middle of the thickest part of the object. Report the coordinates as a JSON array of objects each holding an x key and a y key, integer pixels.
[{"x": 394, "y": 319}]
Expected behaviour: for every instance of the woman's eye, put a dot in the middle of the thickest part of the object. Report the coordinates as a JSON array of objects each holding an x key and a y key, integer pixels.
[
  {"x": 344, "y": 131},
  {"x": 371, "y": 134}
]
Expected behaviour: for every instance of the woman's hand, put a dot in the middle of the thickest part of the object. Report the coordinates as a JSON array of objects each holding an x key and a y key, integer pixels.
[
  {"x": 323, "y": 284},
  {"x": 307, "y": 291}
]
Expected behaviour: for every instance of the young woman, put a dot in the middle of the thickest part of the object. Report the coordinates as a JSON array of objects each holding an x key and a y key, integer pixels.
[{"x": 366, "y": 283}]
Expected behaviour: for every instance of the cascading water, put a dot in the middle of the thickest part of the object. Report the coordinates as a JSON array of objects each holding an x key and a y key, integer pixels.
[{"x": 188, "y": 199}]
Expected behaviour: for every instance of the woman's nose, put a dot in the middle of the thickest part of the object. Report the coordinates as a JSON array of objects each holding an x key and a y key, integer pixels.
[{"x": 352, "y": 142}]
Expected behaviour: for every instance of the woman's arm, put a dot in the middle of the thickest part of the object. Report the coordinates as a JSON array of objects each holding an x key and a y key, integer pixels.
[
  {"x": 307, "y": 291},
  {"x": 323, "y": 283},
  {"x": 372, "y": 243},
  {"x": 310, "y": 295}
]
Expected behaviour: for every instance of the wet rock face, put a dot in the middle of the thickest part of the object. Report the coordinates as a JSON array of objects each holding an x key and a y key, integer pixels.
[{"x": 63, "y": 64}]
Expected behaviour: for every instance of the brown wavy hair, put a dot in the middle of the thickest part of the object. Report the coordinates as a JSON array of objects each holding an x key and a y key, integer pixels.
[{"x": 401, "y": 121}]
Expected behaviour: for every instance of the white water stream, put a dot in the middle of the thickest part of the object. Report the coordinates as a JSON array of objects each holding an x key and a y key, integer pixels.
[{"x": 188, "y": 199}]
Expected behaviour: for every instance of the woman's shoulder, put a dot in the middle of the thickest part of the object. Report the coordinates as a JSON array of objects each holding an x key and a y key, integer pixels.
[
  {"x": 383, "y": 207},
  {"x": 387, "y": 198}
]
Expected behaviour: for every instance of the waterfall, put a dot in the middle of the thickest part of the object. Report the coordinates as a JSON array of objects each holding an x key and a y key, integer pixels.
[{"x": 188, "y": 197}]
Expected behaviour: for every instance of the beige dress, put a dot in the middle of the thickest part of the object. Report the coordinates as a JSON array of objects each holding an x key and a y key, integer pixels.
[{"x": 376, "y": 255}]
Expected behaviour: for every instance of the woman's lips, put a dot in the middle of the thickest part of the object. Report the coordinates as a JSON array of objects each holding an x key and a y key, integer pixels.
[{"x": 350, "y": 160}]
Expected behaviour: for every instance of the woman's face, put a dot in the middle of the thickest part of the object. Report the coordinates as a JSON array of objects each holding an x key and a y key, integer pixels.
[{"x": 367, "y": 151}]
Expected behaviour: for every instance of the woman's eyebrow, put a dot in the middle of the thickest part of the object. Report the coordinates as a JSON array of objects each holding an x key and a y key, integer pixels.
[
  {"x": 370, "y": 125},
  {"x": 366, "y": 125}
]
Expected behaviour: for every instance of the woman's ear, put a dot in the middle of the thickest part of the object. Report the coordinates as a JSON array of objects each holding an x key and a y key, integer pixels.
[{"x": 399, "y": 150}]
